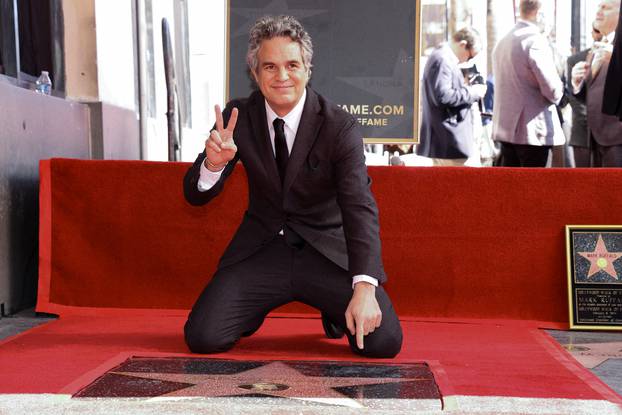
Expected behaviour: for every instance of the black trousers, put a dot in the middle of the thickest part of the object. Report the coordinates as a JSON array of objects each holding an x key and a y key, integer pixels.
[
  {"x": 523, "y": 155},
  {"x": 238, "y": 298},
  {"x": 581, "y": 156},
  {"x": 606, "y": 156}
]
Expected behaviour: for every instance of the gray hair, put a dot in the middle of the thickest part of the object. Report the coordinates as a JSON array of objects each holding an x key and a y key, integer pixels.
[{"x": 269, "y": 27}]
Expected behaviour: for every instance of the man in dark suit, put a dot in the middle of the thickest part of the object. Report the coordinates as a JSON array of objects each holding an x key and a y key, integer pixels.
[
  {"x": 612, "y": 99},
  {"x": 578, "y": 133},
  {"x": 311, "y": 231},
  {"x": 588, "y": 82},
  {"x": 446, "y": 133}
]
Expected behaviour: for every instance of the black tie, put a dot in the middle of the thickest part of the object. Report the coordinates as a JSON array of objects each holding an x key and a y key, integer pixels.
[{"x": 280, "y": 147}]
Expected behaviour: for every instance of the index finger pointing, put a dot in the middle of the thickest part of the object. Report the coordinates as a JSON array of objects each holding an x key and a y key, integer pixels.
[
  {"x": 232, "y": 120},
  {"x": 359, "y": 335}
]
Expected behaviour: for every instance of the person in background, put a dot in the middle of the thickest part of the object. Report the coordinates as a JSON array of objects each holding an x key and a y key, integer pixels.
[
  {"x": 612, "y": 99},
  {"x": 527, "y": 90},
  {"x": 446, "y": 134},
  {"x": 578, "y": 133},
  {"x": 588, "y": 84}
]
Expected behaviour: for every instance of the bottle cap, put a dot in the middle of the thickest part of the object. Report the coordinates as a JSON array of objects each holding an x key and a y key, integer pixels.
[{"x": 44, "y": 73}]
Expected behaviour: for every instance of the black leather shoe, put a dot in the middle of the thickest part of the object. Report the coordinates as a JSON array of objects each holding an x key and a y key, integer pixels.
[{"x": 331, "y": 330}]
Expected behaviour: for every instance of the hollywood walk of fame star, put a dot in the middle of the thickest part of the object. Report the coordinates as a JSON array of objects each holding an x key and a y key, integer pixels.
[
  {"x": 601, "y": 259},
  {"x": 276, "y": 379},
  {"x": 593, "y": 354}
]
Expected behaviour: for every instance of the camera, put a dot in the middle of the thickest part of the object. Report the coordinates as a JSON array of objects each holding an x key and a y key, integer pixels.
[
  {"x": 472, "y": 75},
  {"x": 476, "y": 79}
]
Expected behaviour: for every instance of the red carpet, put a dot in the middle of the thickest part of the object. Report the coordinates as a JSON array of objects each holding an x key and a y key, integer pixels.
[
  {"x": 119, "y": 262},
  {"x": 481, "y": 360}
]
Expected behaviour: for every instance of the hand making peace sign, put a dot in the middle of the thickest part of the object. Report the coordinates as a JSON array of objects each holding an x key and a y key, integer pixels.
[{"x": 219, "y": 146}]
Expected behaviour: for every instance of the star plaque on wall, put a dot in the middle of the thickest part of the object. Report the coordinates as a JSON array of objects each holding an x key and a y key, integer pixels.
[{"x": 594, "y": 255}]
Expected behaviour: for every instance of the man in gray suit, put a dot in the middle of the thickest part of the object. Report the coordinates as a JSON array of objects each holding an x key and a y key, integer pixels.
[
  {"x": 527, "y": 88},
  {"x": 447, "y": 124},
  {"x": 588, "y": 81}
]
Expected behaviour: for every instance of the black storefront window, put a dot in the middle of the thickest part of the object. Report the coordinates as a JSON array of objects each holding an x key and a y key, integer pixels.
[{"x": 31, "y": 41}]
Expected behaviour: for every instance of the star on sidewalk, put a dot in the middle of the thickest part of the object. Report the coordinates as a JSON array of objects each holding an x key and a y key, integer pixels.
[
  {"x": 276, "y": 379},
  {"x": 592, "y": 355},
  {"x": 601, "y": 259}
]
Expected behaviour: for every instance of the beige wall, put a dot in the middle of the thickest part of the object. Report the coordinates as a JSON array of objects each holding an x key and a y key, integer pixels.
[
  {"x": 99, "y": 64},
  {"x": 80, "y": 50},
  {"x": 115, "y": 53}
]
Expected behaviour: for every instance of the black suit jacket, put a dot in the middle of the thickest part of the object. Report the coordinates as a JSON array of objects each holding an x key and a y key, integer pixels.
[
  {"x": 326, "y": 196},
  {"x": 612, "y": 98},
  {"x": 578, "y": 135}
]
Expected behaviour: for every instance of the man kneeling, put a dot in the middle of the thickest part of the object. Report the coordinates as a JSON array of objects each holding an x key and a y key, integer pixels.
[{"x": 311, "y": 231}]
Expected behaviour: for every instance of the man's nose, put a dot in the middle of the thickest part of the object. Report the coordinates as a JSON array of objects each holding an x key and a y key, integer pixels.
[{"x": 282, "y": 74}]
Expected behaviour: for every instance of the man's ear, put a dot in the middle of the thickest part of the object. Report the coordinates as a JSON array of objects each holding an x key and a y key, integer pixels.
[{"x": 463, "y": 43}]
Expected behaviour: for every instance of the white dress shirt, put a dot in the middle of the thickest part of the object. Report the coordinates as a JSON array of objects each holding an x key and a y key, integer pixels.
[
  {"x": 208, "y": 179},
  {"x": 598, "y": 52}
]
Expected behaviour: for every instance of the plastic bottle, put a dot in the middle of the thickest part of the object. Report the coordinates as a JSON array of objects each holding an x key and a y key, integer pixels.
[{"x": 43, "y": 85}]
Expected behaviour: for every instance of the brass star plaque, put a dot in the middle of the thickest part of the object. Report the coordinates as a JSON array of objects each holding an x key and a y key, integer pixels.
[{"x": 594, "y": 255}]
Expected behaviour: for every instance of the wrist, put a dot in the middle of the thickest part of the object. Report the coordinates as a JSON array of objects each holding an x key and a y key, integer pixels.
[
  {"x": 364, "y": 286},
  {"x": 213, "y": 167}
]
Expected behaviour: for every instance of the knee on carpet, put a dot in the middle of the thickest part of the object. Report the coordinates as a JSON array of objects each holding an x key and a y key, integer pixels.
[
  {"x": 203, "y": 341},
  {"x": 382, "y": 347}
]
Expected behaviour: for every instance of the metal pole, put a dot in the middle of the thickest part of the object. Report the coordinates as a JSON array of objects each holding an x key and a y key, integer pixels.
[
  {"x": 447, "y": 6},
  {"x": 575, "y": 26},
  {"x": 141, "y": 29},
  {"x": 171, "y": 107}
]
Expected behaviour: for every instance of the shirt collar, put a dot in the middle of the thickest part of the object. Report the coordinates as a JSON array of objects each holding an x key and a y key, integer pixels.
[
  {"x": 452, "y": 55},
  {"x": 527, "y": 22},
  {"x": 292, "y": 119}
]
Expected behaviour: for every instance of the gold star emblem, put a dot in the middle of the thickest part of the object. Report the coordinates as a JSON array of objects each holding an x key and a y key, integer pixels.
[{"x": 601, "y": 259}]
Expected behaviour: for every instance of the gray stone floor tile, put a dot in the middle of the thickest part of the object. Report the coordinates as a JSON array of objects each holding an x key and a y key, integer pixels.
[
  {"x": 580, "y": 337},
  {"x": 610, "y": 371},
  {"x": 21, "y": 322}
]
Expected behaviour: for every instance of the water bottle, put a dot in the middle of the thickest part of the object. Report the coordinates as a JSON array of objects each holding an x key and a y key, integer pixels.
[{"x": 43, "y": 85}]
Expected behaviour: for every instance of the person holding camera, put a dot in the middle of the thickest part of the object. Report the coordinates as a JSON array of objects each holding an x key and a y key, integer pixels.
[
  {"x": 527, "y": 89},
  {"x": 446, "y": 134}
]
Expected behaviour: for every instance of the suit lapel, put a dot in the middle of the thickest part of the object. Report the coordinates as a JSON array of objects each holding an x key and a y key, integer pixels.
[
  {"x": 257, "y": 113},
  {"x": 310, "y": 124}
]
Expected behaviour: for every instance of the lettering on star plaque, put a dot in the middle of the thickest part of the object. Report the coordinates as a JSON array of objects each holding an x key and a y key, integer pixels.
[
  {"x": 365, "y": 58},
  {"x": 594, "y": 255}
]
